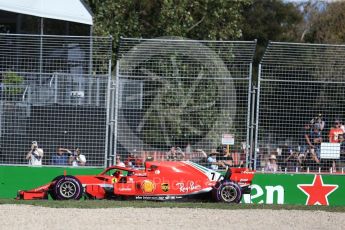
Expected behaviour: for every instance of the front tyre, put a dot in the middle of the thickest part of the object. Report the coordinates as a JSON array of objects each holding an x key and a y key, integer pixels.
[
  {"x": 228, "y": 192},
  {"x": 51, "y": 190},
  {"x": 67, "y": 188}
]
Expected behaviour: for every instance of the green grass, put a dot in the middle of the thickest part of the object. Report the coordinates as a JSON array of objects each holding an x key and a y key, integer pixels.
[{"x": 166, "y": 204}]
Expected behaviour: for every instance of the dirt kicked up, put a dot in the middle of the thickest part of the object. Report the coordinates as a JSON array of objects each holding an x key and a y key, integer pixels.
[{"x": 34, "y": 217}]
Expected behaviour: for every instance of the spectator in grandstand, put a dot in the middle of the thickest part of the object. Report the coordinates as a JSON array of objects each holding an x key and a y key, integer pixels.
[
  {"x": 290, "y": 159},
  {"x": 334, "y": 136},
  {"x": 212, "y": 160},
  {"x": 342, "y": 148},
  {"x": 133, "y": 160},
  {"x": 271, "y": 165},
  {"x": 335, "y": 132},
  {"x": 304, "y": 141},
  {"x": 318, "y": 124},
  {"x": 244, "y": 151},
  {"x": 171, "y": 155},
  {"x": 315, "y": 138},
  {"x": 35, "y": 154},
  {"x": 238, "y": 159},
  {"x": 180, "y": 155},
  {"x": 340, "y": 162},
  {"x": 61, "y": 157},
  {"x": 199, "y": 156},
  {"x": 130, "y": 161},
  {"x": 342, "y": 142},
  {"x": 304, "y": 157},
  {"x": 303, "y": 147},
  {"x": 188, "y": 149},
  {"x": 76, "y": 158},
  {"x": 175, "y": 153},
  {"x": 319, "y": 121},
  {"x": 342, "y": 126},
  {"x": 222, "y": 149},
  {"x": 119, "y": 162},
  {"x": 230, "y": 158},
  {"x": 225, "y": 156},
  {"x": 295, "y": 160},
  {"x": 314, "y": 142}
]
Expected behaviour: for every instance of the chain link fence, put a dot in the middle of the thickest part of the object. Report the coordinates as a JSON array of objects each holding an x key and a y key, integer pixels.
[
  {"x": 54, "y": 90},
  {"x": 176, "y": 98},
  {"x": 172, "y": 99},
  {"x": 301, "y": 109}
]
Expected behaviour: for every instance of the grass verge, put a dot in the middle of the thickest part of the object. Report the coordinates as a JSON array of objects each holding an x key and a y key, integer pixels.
[{"x": 94, "y": 204}]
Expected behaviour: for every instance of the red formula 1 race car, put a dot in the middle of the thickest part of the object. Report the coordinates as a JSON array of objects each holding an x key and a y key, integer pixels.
[{"x": 158, "y": 181}]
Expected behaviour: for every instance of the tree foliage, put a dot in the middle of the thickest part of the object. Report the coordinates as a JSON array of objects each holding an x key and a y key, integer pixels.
[
  {"x": 271, "y": 20},
  {"x": 264, "y": 20},
  {"x": 13, "y": 82},
  {"x": 325, "y": 24},
  {"x": 267, "y": 20},
  {"x": 197, "y": 19}
]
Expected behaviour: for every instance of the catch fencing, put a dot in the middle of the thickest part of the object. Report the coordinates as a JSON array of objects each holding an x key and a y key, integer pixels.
[
  {"x": 176, "y": 98},
  {"x": 172, "y": 99},
  {"x": 300, "y": 97},
  {"x": 54, "y": 90}
]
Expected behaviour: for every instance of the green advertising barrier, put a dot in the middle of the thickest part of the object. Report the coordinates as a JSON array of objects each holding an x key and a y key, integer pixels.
[
  {"x": 14, "y": 178},
  {"x": 303, "y": 189}
]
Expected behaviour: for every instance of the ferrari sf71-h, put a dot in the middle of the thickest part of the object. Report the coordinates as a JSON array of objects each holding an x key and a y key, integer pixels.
[{"x": 168, "y": 180}]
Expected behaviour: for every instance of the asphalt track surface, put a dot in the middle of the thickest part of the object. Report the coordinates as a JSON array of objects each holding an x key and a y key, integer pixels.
[{"x": 32, "y": 217}]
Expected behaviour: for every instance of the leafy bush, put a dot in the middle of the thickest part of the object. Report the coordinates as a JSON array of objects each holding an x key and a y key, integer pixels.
[{"x": 11, "y": 79}]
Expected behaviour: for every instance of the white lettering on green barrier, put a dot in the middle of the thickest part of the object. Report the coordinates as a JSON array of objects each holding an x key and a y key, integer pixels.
[{"x": 267, "y": 195}]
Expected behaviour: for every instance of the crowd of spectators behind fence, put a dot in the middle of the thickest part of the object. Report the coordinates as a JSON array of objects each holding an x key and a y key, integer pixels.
[
  {"x": 307, "y": 155},
  {"x": 216, "y": 159},
  {"x": 63, "y": 156}
]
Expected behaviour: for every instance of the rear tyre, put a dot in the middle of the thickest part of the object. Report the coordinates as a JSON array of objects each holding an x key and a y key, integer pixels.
[
  {"x": 228, "y": 192},
  {"x": 67, "y": 188}
]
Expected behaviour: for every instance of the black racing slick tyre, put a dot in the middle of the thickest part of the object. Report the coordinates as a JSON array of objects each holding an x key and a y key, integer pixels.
[
  {"x": 228, "y": 192},
  {"x": 67, "y": 188},
  {"x": 51, "y": 190}
]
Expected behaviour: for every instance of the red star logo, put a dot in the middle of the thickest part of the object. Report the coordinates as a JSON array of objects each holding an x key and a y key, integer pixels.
[{"x": 317, "y": 192}]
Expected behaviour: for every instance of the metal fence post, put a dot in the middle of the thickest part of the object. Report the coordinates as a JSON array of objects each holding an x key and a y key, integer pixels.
[
  {"x": 249, "y": 125},
  {"x": 111, "y": 133},
  {"x": 108, "y": 122},
  {"x": 252, "y": 125},
  {"x": 256, "y": 148},
  {"x": 116, "y": 103}
]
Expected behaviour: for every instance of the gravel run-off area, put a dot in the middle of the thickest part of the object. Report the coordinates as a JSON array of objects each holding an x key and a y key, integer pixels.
[{"x": 32, "y": 217}]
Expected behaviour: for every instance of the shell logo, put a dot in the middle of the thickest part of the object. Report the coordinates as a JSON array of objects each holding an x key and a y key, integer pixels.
[{"x": 148, "y": 186}]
